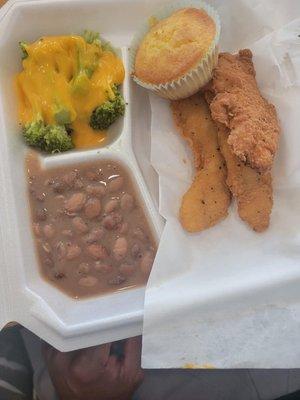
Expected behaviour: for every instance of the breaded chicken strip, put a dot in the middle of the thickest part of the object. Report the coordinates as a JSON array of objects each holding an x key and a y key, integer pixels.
[
  {"x": 207, "y": 200},
  {"x": 238, "y": 105},
  {"x": 252, "y": 190}
]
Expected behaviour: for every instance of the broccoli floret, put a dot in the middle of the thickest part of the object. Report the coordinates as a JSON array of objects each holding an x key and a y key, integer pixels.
[
  {"x": 81, "y": 80},
  {"x": 23, "y": 47},
  {"x": 34, "y": 133},
  {"x": 62, "y": 116},
  {"x": 92, "y": 37},
  {"x": 106, "y": 114},
  {"x": 57, "y": 139},
  {"x": 50, "y": 138},
  {"x": 107, "y": 46},
  {"x": 81, "y": 83}
]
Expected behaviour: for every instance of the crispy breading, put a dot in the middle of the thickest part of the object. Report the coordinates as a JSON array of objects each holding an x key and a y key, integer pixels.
[
  {"x": 238, "y": 105},
  {"x": 252, "y": 189},
  {"x": 207, "y": 200}
]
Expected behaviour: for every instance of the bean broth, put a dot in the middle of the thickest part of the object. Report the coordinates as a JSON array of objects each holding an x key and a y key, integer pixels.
[{"x": 91, "y": 232}]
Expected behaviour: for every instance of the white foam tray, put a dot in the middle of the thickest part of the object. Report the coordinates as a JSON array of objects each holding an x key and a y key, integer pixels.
[{"x": 25, "y": 297}]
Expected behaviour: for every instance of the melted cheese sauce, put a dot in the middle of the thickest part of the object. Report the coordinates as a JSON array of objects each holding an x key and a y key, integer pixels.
[
  {"x": 86, "y": 137},
  {"x": 65, "y": 72}
]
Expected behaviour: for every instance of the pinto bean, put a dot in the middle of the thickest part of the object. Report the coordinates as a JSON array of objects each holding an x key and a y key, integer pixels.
[
  {"x": 95, "y": 235},
  {"x": 61, "y": 250},
  {"x": 49, "y": 231},
  {"x": 120, "y": 248},
  {"x": 92, "y": 208},
  {"x": 46, "y": 247},
  {"x": 103, "y": 268},
  {"x": 69, "y": 178},
  {"x": 48, "y": 182},
  {"x": 147, "y": 262},
  {"x": 78, "y": 184},
  {"x": 36, "y": 229},
  {"x": 127, "y": 269},
  {"x": 73, "y": 251},
  {"x": 116, "y": 280},
  {"x": 92, "y": 175},
  {"x": 79, "y": 225},
  {"x": 75, "y": 203},
  {"x": 60, "y": 198},
  {"x": 97, "y": 251},
  {"x": 96, "y": 189},
  {"x": 83, "y": 268},
  {"x": 67, "y": 232},
  {"x": 58, "y": 187},
  {"x": 135, "y": 250},
  {"x": 48, "y": 262},
  {"x": 111, "y": 206},
  {"x": 38, "y": 195},
  {"x": 112, "y": 221},
  {"x": 42, "y": 214},
  {"x": 115, "y": 184},
  {"x": 59, "y": 275},
  {"x": 139, "y": 234},
  {"x": 127, "y": 202},
  {"x": 88, "y": 281},
  {"x": 124, "y": 228}
]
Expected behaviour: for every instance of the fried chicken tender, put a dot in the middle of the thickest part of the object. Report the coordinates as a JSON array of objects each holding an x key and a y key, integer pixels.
[
  {"x": 207, "y": 200},
  {"x": 238, "y": 105},
  {"x": 252, "y": 190}
]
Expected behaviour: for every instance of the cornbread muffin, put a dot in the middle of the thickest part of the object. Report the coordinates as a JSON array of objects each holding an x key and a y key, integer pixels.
[{"x": 174, "y": 46}]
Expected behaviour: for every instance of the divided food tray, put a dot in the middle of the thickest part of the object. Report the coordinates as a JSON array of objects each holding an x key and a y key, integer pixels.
[{"x": 25, "y": 297}]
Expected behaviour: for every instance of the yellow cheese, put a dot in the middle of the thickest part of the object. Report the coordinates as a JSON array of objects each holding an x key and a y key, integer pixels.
[
  {"x": 66, "y": 72},
  {"x": 86, "y": 137}
]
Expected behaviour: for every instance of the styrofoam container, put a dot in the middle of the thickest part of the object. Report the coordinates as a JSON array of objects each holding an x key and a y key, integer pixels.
[{"x": 25, "y": 297}]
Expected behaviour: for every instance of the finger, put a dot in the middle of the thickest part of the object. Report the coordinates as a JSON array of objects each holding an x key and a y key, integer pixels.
[
  {"x": 47, "y": 351},
  {"x": 132, "y": 353},
  {"x": 51, "y": 355},
  {"x": 113, "y": 367},
  {"x": 89, "y": 363},
  {"x": 62, "y": 361},
  {"x": 58, "y": 363},
  {"x": 95, "y": 356}
]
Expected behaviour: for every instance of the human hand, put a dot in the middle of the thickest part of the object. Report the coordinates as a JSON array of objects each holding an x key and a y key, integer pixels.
[{"x": 95, "y": 373}]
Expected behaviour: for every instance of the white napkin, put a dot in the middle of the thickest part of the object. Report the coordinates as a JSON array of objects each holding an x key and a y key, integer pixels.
[{"x": 229, "y": 297}]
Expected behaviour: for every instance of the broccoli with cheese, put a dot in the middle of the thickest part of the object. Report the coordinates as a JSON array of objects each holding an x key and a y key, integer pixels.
[
  {"x": 68, "y": 89},
  {"x": 23, "y": 47},
  {"x": 92, "y": 37},
  {"x": 50, "y": 138},
  {"x": 106, "y": 114}
]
